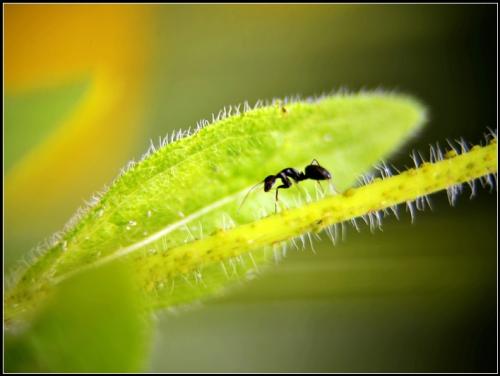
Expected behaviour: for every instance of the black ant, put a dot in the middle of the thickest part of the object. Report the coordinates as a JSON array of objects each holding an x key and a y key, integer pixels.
[{"x": 312, "y": 171}]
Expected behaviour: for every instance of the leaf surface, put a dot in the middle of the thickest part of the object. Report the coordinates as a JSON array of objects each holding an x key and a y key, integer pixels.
[{"x": 192, "y": 188}]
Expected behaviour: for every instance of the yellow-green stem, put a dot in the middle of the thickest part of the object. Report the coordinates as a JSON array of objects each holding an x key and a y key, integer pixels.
[{"x": 355, "y": 202}]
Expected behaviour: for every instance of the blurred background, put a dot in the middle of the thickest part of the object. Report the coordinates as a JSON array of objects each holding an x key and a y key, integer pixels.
[{"x": 87, "y": 86}]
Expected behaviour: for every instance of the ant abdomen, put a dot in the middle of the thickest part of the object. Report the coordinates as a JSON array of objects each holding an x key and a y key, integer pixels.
[{"x": 316, "y": 172}]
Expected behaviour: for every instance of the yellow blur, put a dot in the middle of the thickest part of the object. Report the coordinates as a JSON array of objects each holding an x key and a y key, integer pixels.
[{"x": 48, "y": 46}]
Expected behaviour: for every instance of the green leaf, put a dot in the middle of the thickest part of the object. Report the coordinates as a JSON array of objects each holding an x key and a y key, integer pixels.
[
  {"x": 192, "y": 188},
  {"x": 92, "y": 323}
]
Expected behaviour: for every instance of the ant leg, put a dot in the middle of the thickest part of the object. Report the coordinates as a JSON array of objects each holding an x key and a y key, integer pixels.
[
  {"x": 315, "y": 160},
  {"x": 286, "y": 184},
  {"x": 301, "y": 190},
  {"x": 276, "y": 200},
  {"x": 321, "y": 187}
]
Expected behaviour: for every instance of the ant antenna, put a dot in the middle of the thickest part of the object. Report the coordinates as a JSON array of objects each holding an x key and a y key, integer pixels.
[{"x": 246, "y": 196}]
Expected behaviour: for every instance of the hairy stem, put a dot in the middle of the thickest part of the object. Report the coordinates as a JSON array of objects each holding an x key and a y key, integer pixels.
[{"x": 354, "y": 202}]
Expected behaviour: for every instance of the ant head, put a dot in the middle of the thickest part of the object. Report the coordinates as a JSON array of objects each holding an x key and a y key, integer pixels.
[{"x": 269, "y": 182}]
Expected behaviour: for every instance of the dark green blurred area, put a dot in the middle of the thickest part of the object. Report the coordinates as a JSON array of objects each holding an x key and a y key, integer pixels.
[
  {"x": 413, "y": 298},
  {"x": 416, "y": 297},
  {"x": 92, "y": 323},
  {"x": 212, "y": 56}
]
